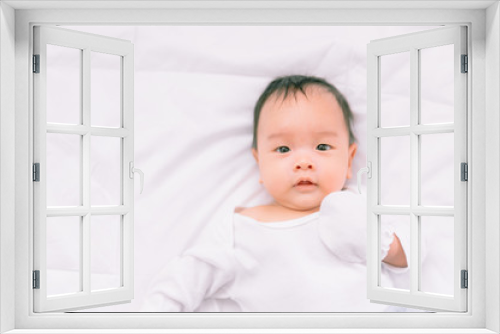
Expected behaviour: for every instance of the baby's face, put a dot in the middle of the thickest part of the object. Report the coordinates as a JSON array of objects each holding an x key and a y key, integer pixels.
[{"x": 303, "y": 149}]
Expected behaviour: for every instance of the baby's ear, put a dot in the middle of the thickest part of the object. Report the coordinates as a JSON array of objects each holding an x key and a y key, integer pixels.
[
  {"x": 352, "y": 152},
  {"x": 255, "y": 155}
]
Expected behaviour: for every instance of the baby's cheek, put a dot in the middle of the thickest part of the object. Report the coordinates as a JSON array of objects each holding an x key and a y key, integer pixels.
[
  {"x": 272, "y": 183},
  {"x": 336, "y": 182}
]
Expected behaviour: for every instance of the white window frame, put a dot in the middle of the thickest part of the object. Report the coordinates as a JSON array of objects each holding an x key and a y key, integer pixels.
[{"x": 483, "y": 21}]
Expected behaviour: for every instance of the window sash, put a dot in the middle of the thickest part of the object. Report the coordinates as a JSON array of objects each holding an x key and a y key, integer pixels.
[
  {"x": 412, "y": 43},
  {"x": 87, "y": 43}
]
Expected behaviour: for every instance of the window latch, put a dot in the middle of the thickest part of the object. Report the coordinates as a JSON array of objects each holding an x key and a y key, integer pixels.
[
  {"x": 367, "y": 170},
  {"x": 133, "y": 170}
]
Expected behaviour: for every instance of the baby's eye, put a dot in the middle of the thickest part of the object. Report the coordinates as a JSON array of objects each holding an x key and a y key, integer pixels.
[
  {"x": 323, "y": 147},
  {"x": 282, "y": 149}
]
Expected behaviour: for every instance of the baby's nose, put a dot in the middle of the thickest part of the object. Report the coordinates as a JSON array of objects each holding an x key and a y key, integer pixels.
[{"x": 303, "y": 165}]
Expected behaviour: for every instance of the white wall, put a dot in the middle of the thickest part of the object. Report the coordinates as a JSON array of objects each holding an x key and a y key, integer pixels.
[
  {"x": 492, "y": 161},
  {"x": 7, "y": 116}
]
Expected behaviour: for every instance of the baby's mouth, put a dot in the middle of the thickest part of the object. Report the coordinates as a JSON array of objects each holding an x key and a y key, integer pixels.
[{"x": 302, "y": 183}]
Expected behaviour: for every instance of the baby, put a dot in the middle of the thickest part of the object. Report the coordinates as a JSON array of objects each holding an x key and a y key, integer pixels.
[{"x": 306, "y": 251}]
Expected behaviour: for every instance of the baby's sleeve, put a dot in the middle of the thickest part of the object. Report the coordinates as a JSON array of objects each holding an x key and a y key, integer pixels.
[
  {"x": 403, "y": 233},
  {"x": 201, "y": 272},
  {"x": 183, "y": 284}
]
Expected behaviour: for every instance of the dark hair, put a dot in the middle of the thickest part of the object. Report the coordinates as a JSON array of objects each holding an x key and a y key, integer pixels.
[{"x": 293, "y": 84}]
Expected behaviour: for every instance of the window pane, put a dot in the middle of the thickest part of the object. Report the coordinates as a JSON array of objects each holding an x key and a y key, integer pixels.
[
  {"x": 436, "y": 235},
  {"x": 105, "y": 170},
  {"x": 437, "y": 82},
  {"x": 105, "y": 90},
  {"x": 63, "y": 255},
  {"x": 395, "y": 90},
  {"x": 63, "y": 84},
  {"x": 437, "y": 169},
  {"x": 105, "y": 252},
  {"x": 399, "y": 225},
  {"x": 395, "y": 170},
  {"x": 63, "y": 169}
]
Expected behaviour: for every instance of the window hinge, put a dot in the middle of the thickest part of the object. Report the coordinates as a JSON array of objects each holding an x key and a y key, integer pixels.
[
  {"x": 36, "y": 63},
  {"x": 464, "y": 171},
  {"x": 465, "y": 64},
  {"x": 465, "y": 279},
  {"x": 36, "y": 279},
  {"x": 36, "y": 172}
]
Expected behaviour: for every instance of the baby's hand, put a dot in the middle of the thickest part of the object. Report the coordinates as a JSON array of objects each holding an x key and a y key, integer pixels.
[{"x": 343, "y": 225}]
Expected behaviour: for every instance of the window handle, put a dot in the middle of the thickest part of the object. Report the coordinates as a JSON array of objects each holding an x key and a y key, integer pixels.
[
  {"x": 133, "y": 170},
  {"x": 367, "y": 170}
]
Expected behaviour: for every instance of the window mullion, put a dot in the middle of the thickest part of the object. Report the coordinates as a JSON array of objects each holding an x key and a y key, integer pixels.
[
  {"x": 85, "y": 254},
  {"x": 82, "y": 130},
  {"x": 434, "y": 129},
  {"x": 419, "y": 211},
  {"x": 86, "y": 124},
  {"x": 82, "y": 211},
  {"x": 414, "y": 171},
  {"x": 417, "y": 129},
  {"x": 86, "y": 140}
]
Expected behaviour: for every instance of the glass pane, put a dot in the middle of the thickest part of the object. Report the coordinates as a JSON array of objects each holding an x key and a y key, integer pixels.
[
  {"x": 105, "y": 170},
  {"x": 395, "y": 90},
  {"x": 437, "y": 169},
  {"x": 105, "y": 239},
  {"x": 437, "y": 240},
  {"x": 63, "y": 255},
  {"x": 395, "y": 170},
  {"x": 393, "y": 277},
  {"x": 105, "y": 90},
  {"x": 63, "y": 84},
  {"x": 63, "y": 169},
  {"x": 437, "y": 82}
]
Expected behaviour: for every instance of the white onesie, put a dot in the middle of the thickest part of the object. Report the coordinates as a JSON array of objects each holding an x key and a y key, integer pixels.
[{"x": 243, "y": 265}]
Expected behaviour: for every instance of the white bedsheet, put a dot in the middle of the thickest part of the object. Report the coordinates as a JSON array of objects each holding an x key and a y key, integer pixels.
[{"x": 195, "y": 89}]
